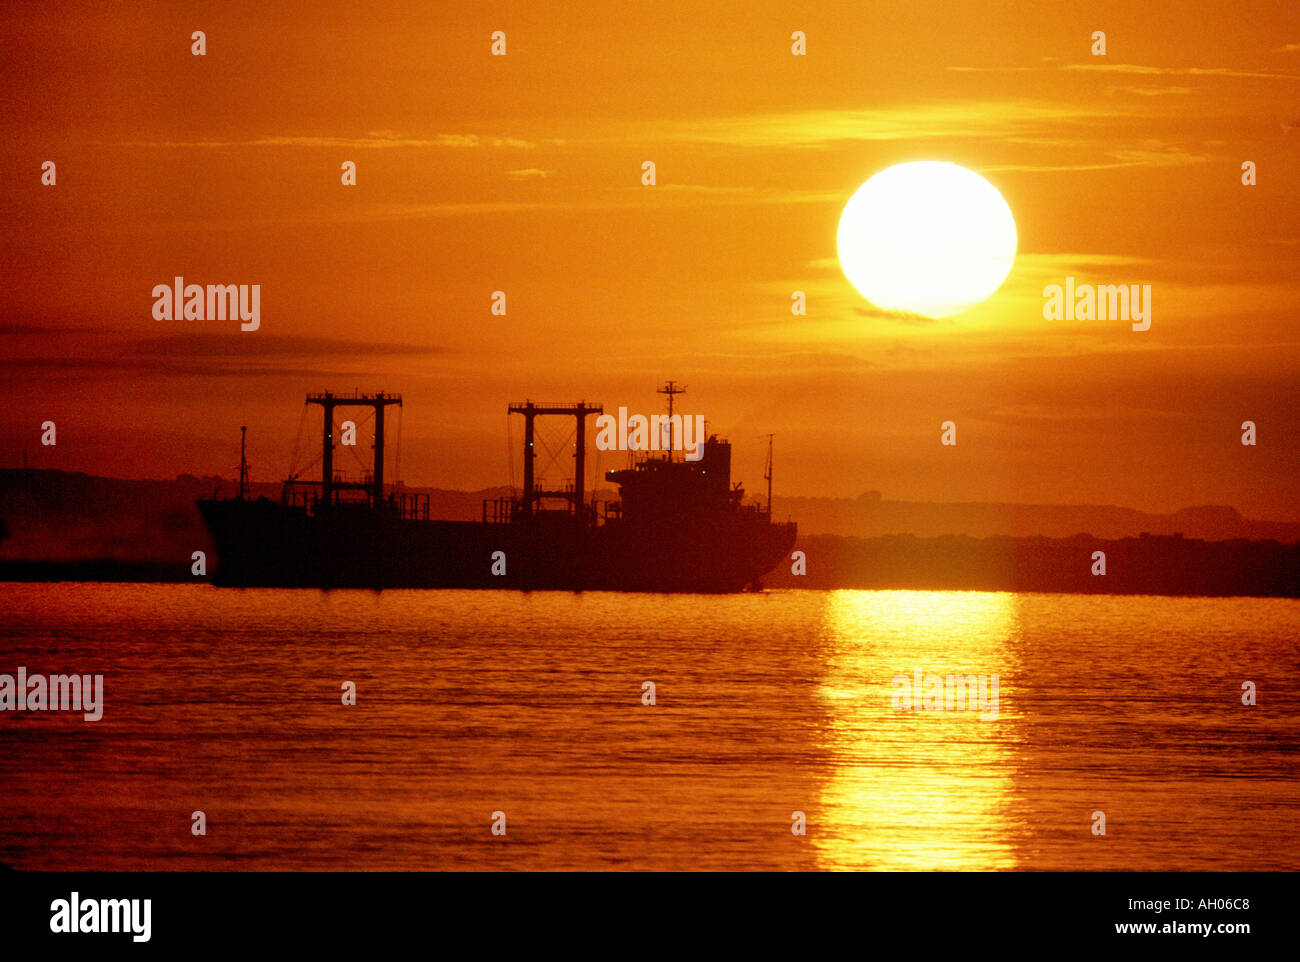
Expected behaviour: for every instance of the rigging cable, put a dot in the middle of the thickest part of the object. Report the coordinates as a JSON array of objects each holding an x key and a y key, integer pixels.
[
  {"x": 397, "y": 455},
  {"x": 510, "y": 452},
  {"x": 297, "y": 441}
]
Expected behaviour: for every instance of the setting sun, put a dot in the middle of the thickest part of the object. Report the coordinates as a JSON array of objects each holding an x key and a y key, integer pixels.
[{"x": 927, "y": 238}]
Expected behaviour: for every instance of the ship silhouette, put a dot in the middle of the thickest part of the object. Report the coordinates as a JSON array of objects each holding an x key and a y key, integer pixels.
[{"x": 678, "y": 525}]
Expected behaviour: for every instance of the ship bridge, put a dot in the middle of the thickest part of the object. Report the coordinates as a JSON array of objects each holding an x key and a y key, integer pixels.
[{"x": 658, "y": 487}]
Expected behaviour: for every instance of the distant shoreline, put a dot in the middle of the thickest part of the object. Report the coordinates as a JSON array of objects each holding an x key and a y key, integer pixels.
[
  {"x": 107, "y": 570},
  {"x": 60, "y": 526},
  {"x": 1150, "y": 565}
]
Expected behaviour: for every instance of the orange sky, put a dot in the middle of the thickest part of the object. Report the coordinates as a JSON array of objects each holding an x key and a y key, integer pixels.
[{"x": 522, "y": 173}]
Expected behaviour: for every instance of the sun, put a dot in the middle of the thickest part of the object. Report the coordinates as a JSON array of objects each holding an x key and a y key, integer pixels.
[{"x": 928, "y": 238}]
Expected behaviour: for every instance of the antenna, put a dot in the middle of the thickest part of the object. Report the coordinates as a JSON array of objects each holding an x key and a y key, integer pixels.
[{"x": 672, "y": 390}]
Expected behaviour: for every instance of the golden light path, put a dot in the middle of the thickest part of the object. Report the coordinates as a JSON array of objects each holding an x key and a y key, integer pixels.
[
  {"x": 927, "y": 238},
  {"x": 916, "y": 790}
]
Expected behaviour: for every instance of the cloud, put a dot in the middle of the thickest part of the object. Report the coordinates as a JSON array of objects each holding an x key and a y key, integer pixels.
[
  {"x": 1146, "y": 71},
  {"x": 26, "y": 330},
  {"x": 376, "y": 139},
  {"x": 900, "y": 317},
  {"x": 238, "y": 345},
  {"x": 823, "y": 128},
  {"x": 1149, "y": 91},
  {"x": 1094, "y": 258},
  {"x": 1153, "y": 156},
  {"x": 629, "y": 198},
  {"x": 961, "y": 69},
  {"x": 207, "y": 355},
  {"x": 77, "y": 369},
  {"x": 1141, "y": 70},
  {"x": 529, "y": 173}
]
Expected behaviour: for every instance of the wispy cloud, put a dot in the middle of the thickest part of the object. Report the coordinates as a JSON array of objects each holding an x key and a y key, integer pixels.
[
  {"x": 1147, "y": 71},
  {"x": 998, "y": 69},
  {"x": 906, "y": 318},
  {"x": 279, "y": 345},
  {"x": 821, "y": 128},
  {"x": 1143, "y": 70},
  {"x": 1079, "y": 261},
  {"x": 1053, "y": 261},
  {"x": 209, "y": 355},
  {"x": 379, "y": 139},
  {"x": 630, "y": 198},
  {"x": 73, "y": 370},
  {"x": 1149, "y": 156},
  {"x": 1149, "y": 91},
  {"x": 25, "y": 330}
]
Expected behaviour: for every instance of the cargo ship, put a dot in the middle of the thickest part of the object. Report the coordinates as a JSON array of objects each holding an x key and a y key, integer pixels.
[{"x": 678, "y": 525}]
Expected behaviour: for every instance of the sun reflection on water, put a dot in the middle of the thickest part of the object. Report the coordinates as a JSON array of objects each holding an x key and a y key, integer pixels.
[{"x": 916, "y": 790}]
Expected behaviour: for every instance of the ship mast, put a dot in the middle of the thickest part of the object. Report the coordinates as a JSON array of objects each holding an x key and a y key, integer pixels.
[
  {"x": 531, "y": 410},
  {"x": 671, "y": 389},
  {"x": 243, "y": 461},
  {"x": 330, "y": 402},
  {"x": 767, "y": 475}
]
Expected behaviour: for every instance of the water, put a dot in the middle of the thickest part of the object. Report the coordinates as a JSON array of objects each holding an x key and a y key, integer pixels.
[{"x": 470, "y": 703}]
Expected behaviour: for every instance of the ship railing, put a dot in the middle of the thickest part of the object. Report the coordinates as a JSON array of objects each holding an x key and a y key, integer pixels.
[
  {"x": 407, "y": 505},
  {"x": 551, "y": 405},
  {"x": 410, "y": 506},
  {"x": 638, "y": 458},
  {"x": 353, "y": 396},
  {"x": 499, "y": 510},
  {"x": 300, "y": 494},
  {"x": 507, "y": 510}
]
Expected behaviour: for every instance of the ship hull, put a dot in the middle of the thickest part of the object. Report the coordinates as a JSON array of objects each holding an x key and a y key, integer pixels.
[{"x": 266, "y": 544}]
